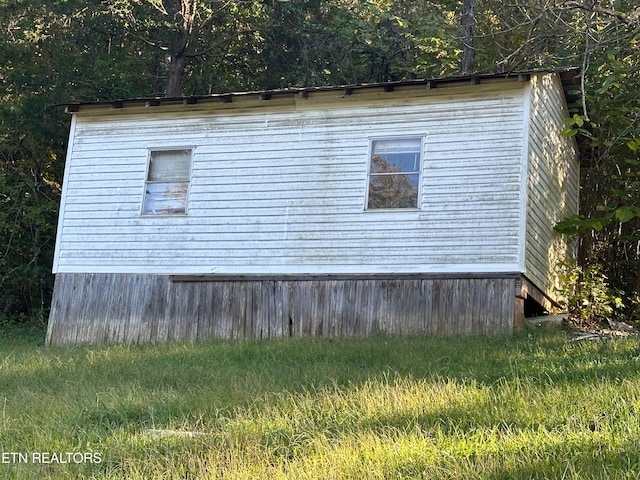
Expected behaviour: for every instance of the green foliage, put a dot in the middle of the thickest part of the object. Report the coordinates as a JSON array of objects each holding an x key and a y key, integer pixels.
[
  {"x": 585, "y": 294},
  {"x": 31, "y": 146},
  {"x": 608, "y": 225},
  {"x": 348, "y": 42},
  {"x": 574, "y": 126},
  {"x": 27, "y": 233},
  {"x": 578, "y": 224}
]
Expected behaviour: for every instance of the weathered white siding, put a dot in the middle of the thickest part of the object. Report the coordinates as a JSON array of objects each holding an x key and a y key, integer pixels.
[
  {"x": 553, "y": 182},
  {"x": 282, "y": 190}
]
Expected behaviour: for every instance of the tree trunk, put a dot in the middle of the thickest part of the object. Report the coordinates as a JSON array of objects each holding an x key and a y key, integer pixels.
[
  {"x": 177, "y": 65},
  {"x": 468, "y": 59},
  {"x": 180, "y": 46}
]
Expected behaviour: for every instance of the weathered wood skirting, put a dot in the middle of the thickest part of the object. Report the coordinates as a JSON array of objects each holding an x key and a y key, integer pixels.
[{"x": 117, "y": 308}]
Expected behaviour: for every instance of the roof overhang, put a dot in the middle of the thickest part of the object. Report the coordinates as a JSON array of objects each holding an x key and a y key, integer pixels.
[{"x": 568, "y": 75}]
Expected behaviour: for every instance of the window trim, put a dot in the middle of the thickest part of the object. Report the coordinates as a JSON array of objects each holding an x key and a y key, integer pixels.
[
  {"x": 150, "y": 152},
  {"x": 420, "y": 172}
]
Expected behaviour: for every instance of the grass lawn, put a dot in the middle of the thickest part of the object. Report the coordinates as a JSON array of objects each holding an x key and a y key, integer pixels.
[{"x": 528, "y": 406}]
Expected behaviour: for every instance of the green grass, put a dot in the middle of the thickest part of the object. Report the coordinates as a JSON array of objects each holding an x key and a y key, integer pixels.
[{"x": 527, "y": 406}]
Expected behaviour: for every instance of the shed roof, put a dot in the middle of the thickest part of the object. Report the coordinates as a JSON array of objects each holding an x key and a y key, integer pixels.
[{"x": 568, "y": 75}]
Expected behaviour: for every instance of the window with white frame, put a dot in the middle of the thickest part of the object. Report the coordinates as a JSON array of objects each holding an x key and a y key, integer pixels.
[
  {"x": 167, "y": 182},
  {"x": 394, "y": 173}
]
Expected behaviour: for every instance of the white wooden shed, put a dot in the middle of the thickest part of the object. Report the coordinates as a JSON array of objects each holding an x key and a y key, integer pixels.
[{"x": 413, "y": 207}]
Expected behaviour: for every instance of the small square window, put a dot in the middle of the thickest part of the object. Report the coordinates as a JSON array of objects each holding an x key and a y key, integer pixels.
[
  {"x": 394, "y": 173},
  {"x": 167, "y": 183}
]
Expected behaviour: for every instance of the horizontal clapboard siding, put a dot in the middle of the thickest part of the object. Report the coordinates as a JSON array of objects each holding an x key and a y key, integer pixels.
[
  {"x": 553, "y": 183},
  {"x": 284, "y": 191}
]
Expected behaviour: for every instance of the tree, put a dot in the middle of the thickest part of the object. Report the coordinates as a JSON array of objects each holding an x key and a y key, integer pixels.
[
  {"x": 608, "y": 131},
  {"x": 179, "y": 33},
  {"x": 31, "y": 145},
  {"x": 468, "y": 60}
]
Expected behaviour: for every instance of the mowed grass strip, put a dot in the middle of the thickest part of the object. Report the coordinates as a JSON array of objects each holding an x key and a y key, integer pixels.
[{"x": 530, "y": 405}]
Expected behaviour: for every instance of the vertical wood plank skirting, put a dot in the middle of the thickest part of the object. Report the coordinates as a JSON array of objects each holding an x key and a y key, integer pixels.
[{"x": 131, "y": 308}]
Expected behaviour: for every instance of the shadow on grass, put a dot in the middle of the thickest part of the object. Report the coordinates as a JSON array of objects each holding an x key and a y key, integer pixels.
[
  {"x": 238, "y": 372},
  {"x": 22, "y": 334},
  {"x": 484, "y": 359}
]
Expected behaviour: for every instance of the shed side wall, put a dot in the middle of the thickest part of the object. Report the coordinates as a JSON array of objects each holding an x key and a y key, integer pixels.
[
  {"x": 117, "y": 308},
  {"x": 553, "y": 182},
  {"x": 280, "y": 192}
]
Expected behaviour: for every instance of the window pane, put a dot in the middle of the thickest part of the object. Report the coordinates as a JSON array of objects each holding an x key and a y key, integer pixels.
[
  {"x": 393, "y": 191},
  {"x": 397, "y": 145},
  {"x": 394, "y": 175},
  {"x": 395, "y": 162},
  {"x": 165, "y": 198},
  {"x": 169, "y": 166},
  {"x": 396, "y": 155}
]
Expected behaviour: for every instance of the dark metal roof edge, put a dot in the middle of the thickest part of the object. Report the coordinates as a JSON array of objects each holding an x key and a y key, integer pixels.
[{"x": 568, "y": 74}]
